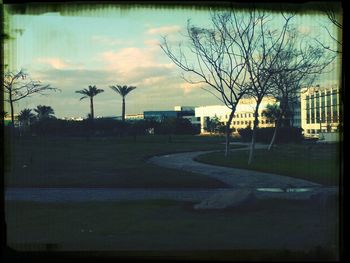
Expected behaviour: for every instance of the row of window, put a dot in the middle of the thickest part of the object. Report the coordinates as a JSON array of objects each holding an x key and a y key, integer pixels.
[
  {"x": 323, "y": 115},
  {"x": 316, "y": 131},
  {"x": 242, "y": 115},
  {"x": 250, "y": 122},
  {"x": 318, "y": 111}
]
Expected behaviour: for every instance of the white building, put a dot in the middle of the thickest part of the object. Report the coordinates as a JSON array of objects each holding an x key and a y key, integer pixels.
[
  {"x": 244, "y": 115},
  {"x": 320, "y": 110}
]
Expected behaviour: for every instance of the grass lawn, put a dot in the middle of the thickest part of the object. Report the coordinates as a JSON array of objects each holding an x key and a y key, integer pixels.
[
  {"x": 317, "y": 163},
  {"x": 276, "y": 225},
  {"x": 102, "y": 162}
]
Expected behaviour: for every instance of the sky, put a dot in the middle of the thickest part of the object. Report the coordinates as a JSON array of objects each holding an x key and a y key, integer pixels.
[{"x": 113, "y": 46}]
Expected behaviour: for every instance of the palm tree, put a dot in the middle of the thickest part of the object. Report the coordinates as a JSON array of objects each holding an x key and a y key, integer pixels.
[
  {"x": 123, "y": 91},
  {"x": 90, "y": 93},
  {"x": 25, "y": 117},
  {"x": 44, "y": 112},
  {"x": 272, "y": 112}
]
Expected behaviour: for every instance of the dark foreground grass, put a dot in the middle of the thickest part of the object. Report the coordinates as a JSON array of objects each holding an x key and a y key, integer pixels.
[
  {"x": 266, "y": 229},
  {"x": 102, "y": 162},
  {"x": 317, "y": 163}
]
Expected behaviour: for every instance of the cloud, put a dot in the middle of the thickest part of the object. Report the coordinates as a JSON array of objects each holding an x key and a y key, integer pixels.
[
  {"x": 188, "y": 87},
  {"x": 133, "y": 62},
  {"x": 58, "y": 63},
  {"x": 163, "y": 30},
  {"x": 303, "y": 29},
  {"x": 152, "y": 42}
]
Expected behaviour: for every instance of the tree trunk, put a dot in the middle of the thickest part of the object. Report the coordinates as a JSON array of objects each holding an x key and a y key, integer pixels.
[
  {"x": 256, "y": 122},
  {"x": 92, "y": 107},
  {"x": 12, "y": 111},
  {"x": 123, "y": 110},
  {"x": 282, "y": 113},
  {"x": 228, "y": 124},
  {"x": 275, "y": 132}
]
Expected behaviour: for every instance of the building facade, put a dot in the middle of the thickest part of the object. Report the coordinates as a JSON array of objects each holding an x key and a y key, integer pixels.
[
  {"x": 244, "y": 115},
  {"x": 320, "y": 110},
  {"x": 185, "y": 112}
]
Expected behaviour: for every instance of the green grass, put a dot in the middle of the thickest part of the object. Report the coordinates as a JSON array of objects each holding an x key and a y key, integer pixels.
[
  {"x": 317, "y": 163},
  {"x": 165, "y": 225},
  {"x": 169, "y": 225},
  {"x": 102, "y": 162}
]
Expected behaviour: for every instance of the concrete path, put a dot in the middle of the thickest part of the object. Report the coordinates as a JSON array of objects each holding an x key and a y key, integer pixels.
[
  {"x": 264, "y": 185},
  {"x": 236, "y": 178},
  {"x": 69, "y": 195}
]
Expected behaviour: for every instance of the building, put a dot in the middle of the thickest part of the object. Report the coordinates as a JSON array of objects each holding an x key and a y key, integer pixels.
[
  {"x": 160, "y": 115},
  {"x": 244, "y": 115},
  {"x": 188, "y": 112},
  {"x": 73, "y": 118},
  {"x": 185, "y": 112},
  {"x": 134, "y": 117},
  {"x": 320, "y": 110}
]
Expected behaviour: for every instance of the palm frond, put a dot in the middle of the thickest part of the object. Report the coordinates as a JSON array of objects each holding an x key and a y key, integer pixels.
[{"x": 122, "y": 90}]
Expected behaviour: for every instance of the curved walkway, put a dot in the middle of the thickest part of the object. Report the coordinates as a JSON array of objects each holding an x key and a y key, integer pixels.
[{"x": 236, "y": 178}]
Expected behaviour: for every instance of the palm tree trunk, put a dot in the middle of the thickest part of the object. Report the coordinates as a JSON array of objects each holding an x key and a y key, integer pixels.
[
  {"x": 123, "y": 110},
  {"x": 92, "y": 107},
  {"x": 228, "y": 131}
]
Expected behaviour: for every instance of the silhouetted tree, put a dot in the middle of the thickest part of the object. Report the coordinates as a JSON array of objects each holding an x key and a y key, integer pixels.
[
  {"x": 123, "y": 91},
  {"x": 90, "y": 93},
  {"x": 26, "y": 117},
  {"x": 18, "y": 86},
  {"x": 44, "y": 112},
  {"x": 212, "y": 58}
]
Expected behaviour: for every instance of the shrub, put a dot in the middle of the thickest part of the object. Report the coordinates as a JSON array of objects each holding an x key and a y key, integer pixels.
[{"x": 264, "y": 135}]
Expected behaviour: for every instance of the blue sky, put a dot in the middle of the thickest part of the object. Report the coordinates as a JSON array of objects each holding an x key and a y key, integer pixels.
[{"x": 110, "y": 47}]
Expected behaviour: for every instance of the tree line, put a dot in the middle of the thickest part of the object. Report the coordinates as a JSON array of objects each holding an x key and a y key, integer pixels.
[{"x": 18, "y": 85}]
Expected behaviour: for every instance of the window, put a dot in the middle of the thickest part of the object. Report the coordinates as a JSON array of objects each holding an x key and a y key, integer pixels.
[
  {"x": 335, "y": 107},
  {"x": 323, "y": 107},
  {"x": 262, "y": 122},
  {"x": 329, "y": 115},
  {"x": 312, "y": 109},
  {"x": 307, "y": 110},
  {"x": 317, "y": 108}
]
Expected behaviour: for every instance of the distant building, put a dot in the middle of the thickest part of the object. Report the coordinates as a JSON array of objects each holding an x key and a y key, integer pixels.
[
  {"x": 320, "y": 110},
  {"x": 244, "y": 115},
  {"x": 139, "y": 116},
  {"x": 160, "y": 115},
  {"x": 185, "y": 112},
  {"x": 73, "y": 118},
  {"x": 188, "y": 112}
]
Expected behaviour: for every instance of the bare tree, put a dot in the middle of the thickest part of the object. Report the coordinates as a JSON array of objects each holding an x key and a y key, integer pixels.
[
  {"x": 18, "y": 86},
  {"x": 335, "y": 18},
  {"x": 211, "y": 58},
  {"x": 297, "y": 65},
  {"x": 261, "y": 46}
]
